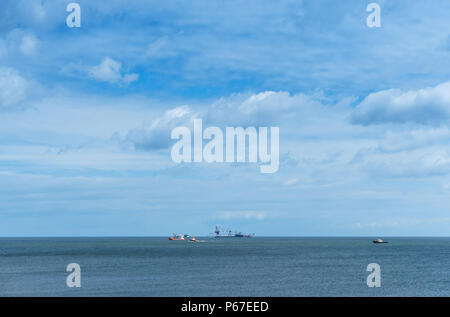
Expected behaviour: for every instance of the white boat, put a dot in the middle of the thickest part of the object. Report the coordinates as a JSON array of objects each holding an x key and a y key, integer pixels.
[
  {"x": 177, "y": 237},
  {"x": 378, "y": 240}
]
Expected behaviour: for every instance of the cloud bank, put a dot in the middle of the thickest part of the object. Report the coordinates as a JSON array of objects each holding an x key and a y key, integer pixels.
[{"x": 429, "y": 106}]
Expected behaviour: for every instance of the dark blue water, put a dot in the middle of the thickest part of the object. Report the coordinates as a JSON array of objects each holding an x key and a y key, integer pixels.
[{"x": 235, "y": 267}]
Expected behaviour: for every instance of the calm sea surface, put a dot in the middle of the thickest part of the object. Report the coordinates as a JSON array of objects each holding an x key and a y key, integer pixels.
[{"x": 234, "y": 267}]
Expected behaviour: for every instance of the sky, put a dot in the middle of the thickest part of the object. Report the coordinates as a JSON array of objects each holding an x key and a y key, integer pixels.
[{"x": 86, "y": 116}]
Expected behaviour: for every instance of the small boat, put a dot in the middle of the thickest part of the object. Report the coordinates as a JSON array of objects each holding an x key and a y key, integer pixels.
[
  {"x": 177, "y": 237},
  {"x": 378, "y": 240},
  {"x": 193, "y": 239}
]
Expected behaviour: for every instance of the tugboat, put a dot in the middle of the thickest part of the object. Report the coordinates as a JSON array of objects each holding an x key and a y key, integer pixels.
[
  {"x": 177, "y": 237},
  {"x": 378, "y": 240}
]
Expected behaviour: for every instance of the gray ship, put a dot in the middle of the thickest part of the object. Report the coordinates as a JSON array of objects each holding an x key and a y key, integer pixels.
[{"x": 223, "y": 234}]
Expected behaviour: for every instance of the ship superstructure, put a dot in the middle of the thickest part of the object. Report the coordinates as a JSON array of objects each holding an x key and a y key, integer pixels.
[
  {"x": 177, "y": 237},
  {"x": 226, "y": 233}
]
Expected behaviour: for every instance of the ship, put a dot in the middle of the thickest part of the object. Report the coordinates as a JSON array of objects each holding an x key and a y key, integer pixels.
[
  {"x": 220, "y": 233},
  {"x": 378, "y": 240},
  {"x": 177, "y": 237}
]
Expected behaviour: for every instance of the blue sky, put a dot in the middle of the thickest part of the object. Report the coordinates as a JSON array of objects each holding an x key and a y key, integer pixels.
[{"x": 86, "y": 115}]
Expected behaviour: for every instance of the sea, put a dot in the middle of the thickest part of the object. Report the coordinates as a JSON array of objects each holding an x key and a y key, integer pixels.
[{"x": 259, "y": 266}]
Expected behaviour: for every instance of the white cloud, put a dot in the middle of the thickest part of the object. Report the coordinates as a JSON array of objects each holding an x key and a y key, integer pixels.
[
  {"x": 292, "y": 181},
  {"x": 128, "y": 78},
  {"x": 110, "y": 71},
  {"x": 402, "y": 222},
  {"x": 29, "y": 44},
  {"x": 19, "y": 41},
  {"x": 246, "y": 215},
  {"x": 156, "y": 135},
  {"x": 418, "y": 163},
  {"x": 264, "y": 108},
  {"x": 429, "y": 105},
  {"x": 157, "y": 48},
  {"x": 13, "y": 89}
]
